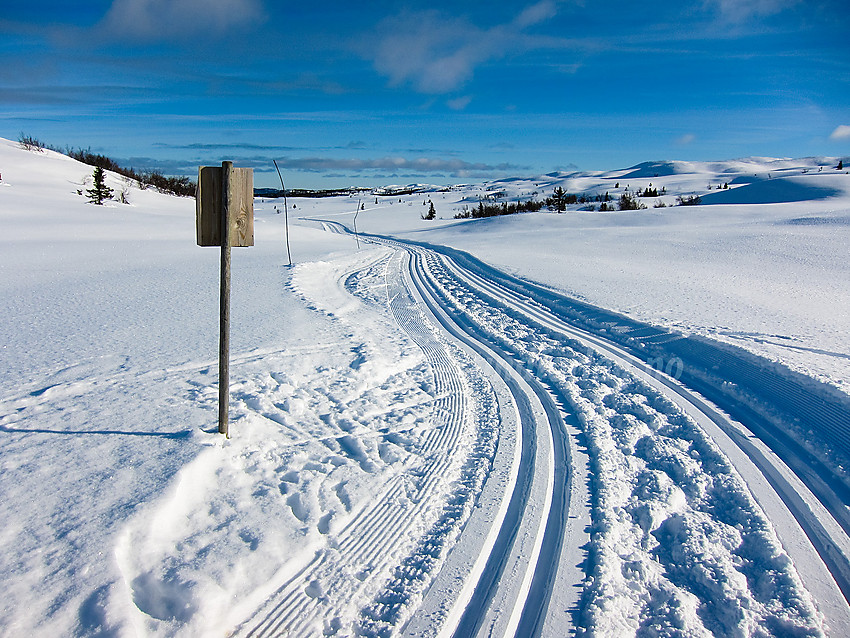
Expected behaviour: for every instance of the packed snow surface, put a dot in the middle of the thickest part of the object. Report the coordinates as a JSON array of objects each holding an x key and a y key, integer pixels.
[
  {"x": 362, "y": 434},
  {"x": 761, "y": 264}
]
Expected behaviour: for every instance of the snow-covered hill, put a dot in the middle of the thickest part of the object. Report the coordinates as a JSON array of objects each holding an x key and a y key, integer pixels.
[
  {"x": 761, "y": 264},
  {"x": 125, "y": 514}
]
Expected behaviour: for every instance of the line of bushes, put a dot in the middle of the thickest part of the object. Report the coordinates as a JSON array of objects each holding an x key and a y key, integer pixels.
[
  {"x": 560, "y": 199},
  {"x": 182, "y": 186},
  {"x": 495, "y": 210}
]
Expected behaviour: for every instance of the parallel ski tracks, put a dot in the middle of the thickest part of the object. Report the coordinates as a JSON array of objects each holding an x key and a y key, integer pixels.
[
  {"x": 529, "y": 609},
  {"x": 437, "y": 270},
  {"x": 832, "y": 550},
  {"x": 374, "y": 534},
  {"x": 832, "y": 553},
  {"x": 430, "y": 272}
]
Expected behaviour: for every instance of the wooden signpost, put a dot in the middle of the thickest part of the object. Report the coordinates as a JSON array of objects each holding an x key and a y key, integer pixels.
[{"x": 224, "y": 216}]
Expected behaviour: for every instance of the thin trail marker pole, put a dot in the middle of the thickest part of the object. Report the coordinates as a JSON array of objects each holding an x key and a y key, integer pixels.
[
  {"x": 285, "y": 213},
  {"x": 356, "y": 236},
  {"x": 224, "y": 324}
]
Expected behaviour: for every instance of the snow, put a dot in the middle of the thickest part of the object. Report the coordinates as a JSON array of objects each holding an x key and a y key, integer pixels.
[
  {"x": 127, "y": 512},
  {"x": 361, "y": 433},
  {"x": 772, "y": 278},
  {"x": 674, "y": 529}
]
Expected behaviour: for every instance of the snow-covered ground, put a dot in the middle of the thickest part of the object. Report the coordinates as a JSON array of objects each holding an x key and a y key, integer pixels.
[
  {"x": 361, "y": 433},
  {"x": 762, "y": 264}
]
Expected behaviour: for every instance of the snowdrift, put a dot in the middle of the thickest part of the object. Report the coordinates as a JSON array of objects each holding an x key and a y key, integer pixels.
[{"x": 770, "y": 191}]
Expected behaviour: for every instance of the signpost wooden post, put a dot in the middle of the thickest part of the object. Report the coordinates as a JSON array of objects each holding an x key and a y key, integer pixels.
[{"x": 224, "y": 216}]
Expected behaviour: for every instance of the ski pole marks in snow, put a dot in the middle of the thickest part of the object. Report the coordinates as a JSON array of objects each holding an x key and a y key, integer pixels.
[
  {"x": 456, "y": 391},
  {"x": 335, "y": 502}
]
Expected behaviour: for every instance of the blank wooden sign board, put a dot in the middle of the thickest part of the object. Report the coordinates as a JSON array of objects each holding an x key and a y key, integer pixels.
[
  {"x": 208, "y": 206},
  {"x": 224, "y": 216}
]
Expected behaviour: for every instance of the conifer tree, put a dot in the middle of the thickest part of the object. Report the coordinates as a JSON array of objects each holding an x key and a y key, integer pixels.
[
  {"x": 100, "y": 191},
  {"x": 432, "y": 213},
  {"x": 559, "y": 200}
]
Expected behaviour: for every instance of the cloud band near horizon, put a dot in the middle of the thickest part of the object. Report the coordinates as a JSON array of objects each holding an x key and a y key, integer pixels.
[{"x": 422, "y": 165}]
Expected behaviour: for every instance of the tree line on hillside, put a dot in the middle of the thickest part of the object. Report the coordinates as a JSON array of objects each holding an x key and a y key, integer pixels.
[
  {"x": 494, "y": 210},
  {"x": 560, "y": 199},
  {"x": 182, "y": 186}
]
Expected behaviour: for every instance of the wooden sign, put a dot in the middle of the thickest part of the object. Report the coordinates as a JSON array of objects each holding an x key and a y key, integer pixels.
[
  {"x": 224, "y": 217},
  {"x": 210, "y": 200}
]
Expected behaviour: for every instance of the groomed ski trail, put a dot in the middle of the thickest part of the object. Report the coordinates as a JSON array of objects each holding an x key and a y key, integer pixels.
[
  {"x": 378, "y": 538},
  {"x": 446, "y": 289}
]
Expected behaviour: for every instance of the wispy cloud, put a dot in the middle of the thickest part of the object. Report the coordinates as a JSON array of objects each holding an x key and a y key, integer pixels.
[
  {"x": 220, "y": 146},
  {"x": 842, "y": 132},
  {"x": 686, "y": 139},
  {"x": 536, "y": 13},
  {"x": 329, "y": 165},
  {"x": 437, "y": 53},
  {"x": 355, "y": 145},
  {"x": 81, "y": 94},
  {"x": 419, "y": 164},
  {"x": 166, "y": 19},
  {"x": 741, "y": 10},
  {"x": 460, "y": 103}
]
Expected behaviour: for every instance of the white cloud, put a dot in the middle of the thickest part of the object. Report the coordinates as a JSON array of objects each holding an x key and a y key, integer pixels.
[
  {"x": 536, "y": 13},
  {"x": 740, "y": 10},
  {"x": 433, "y": 52},
  {"x": 460, "y": 103},
  {"x": 437, "y": 53},
  {"x": 164, "y": 19},
  {"x": 686, "y": 139},
  {"x": 842, "y": 132}
]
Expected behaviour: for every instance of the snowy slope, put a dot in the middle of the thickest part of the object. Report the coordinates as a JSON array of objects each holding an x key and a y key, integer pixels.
[
  {"x": 762, "y": 265},
  {"x": 127, "y": 515},
  {"x": 114, "y": 491}
]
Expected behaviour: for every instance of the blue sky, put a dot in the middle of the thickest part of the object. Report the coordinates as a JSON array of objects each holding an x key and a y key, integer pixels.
[{"x": 348, "y": 93}]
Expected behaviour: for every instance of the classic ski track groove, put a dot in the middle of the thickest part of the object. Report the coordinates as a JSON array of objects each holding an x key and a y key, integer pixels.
[
  {"x": 527, "y": 613},
  {"x": 377, "y": 530},
  {"x": 832, "y": 551},
  {"x": 434, "y": 274}
]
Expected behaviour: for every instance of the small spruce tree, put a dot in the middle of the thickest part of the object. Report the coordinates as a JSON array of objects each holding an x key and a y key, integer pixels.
[
  {"x": 432, "y": 213},
  {"x": 100, "y": 191},
  {"x": 559, "y": 200},
  {"x": 628, "y": 202}
]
